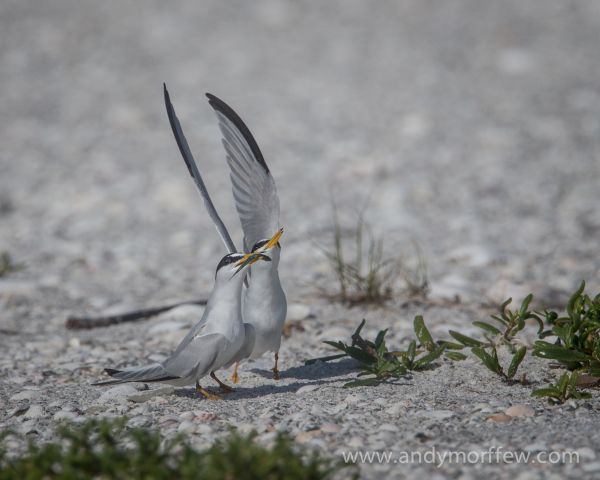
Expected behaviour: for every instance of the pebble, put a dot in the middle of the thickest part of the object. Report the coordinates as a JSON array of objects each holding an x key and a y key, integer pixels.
[
  {"x": 169, "y": 421},
  {"x": 63, "y": 415},
  {"x": 438, "y": 414},
  {"x": 245, "y": 428},
  {"x": 187, "y": 427},
  {"x": 203, "y": 429},
  {"x": 267, "y": 413},
  {"x": 205, "y": 416},
  {"x": 317, "y": 410},
  {"x": 120, "y": 392},
  {"x": 396, "y": 409},
  {"x": 376, "y": 443},
  {"x": 298, "y": 311},
  {"x": 139, "y": 422},
  {"x": 146, "y": 395},
  {"x": 355, "y": 442},
  {"x": 585, "y": 453},
  {"x": 499, "y": 418},
  {"x": 93, "y": 409},
  {"x": 304, "y": 437},
  {"x": 387, "y": 427},
  {"x": 591, "y": 467},
  {"x": 34, "y": 411},
  {"x": 536, "y": 447},
  {"x": 28, "y": 427},
  {"x": 585, "y": 380},
  {"x": 17, "y": 411},
  {"x": 330, "y": 428},
  {"x": 520, "y": 411},
  {"x": 353, "y": 398},
  {"x": 187, "y": 415},
  {"x": 306, "y": 389},
  {"x": 26, "y": 395},
  {"x": 139, "y": 410},
  {"x": 340, "y": 407},
  {"x": 482, "y": 408},
  {"x": 19, "y": 288}
]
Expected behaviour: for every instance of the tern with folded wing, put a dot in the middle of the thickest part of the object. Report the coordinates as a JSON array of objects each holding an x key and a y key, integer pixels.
[{"x": 218, "y": 340}]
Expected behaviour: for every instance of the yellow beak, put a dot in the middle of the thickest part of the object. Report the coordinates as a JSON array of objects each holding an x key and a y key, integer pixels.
[
  {"x": 274, "y": 239},
  {"x": 251, "y": 258}
]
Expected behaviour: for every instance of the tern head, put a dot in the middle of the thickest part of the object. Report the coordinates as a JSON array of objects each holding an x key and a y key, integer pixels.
[
  {"x": 233, "y": 264},
  {"x": 270, "y": 246}
]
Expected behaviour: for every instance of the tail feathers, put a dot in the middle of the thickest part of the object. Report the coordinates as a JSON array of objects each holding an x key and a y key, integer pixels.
[{"x": 151, "y": 373}]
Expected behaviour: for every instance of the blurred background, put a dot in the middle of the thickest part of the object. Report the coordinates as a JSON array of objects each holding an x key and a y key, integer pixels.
[{"x": 470, "y": 127}]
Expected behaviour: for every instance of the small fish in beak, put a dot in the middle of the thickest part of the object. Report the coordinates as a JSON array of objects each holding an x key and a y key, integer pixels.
[{"x": 249, "y": 259}]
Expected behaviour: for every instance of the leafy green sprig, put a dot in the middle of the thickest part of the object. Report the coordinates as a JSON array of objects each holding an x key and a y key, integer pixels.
[
  {"x": 577, "y": 344},
  {"x": 564, "y": 389}
]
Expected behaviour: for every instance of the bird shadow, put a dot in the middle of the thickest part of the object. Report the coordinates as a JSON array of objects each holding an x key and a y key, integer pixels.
[
  {"x": 315, "y": 371},
  {"x": 258, "y": 391},
  {"x": 318, "y": 374}
]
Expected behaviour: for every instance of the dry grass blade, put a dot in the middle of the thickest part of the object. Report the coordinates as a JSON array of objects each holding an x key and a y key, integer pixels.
[{"x": 370, "y": 278}]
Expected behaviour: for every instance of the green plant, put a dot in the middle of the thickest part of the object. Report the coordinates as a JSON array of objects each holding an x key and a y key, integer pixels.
[
  {"x": 7, "y": 265},
  {"x": 381, "y": 364},
  {"x": 434, "y": 347},
  {"x": 502, "y": 334},
  {"x": 368, "y": 276},
  {"x": 374, "y": 358},
  {"x": 564, "y": 389},
  {"x": 577, "y": 334},
  {"x": 490, "y": 360},
  {"x": 509, "y": 324},
  {"x": 106, "y": 450}
]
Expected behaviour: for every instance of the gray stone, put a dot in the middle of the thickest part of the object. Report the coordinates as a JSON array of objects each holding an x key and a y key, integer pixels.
[
  {"x": 330, "y": 428},
  {"x": 298, "y": 311},
  {"x": 145, "y": 395},
  {"x": 34, "y": 411},
  {"x": 120, "y": 392},
  {"x": 187, "y": 427},
  {"x": 65, "y": 415},
  {"x": 26, "y": 395},
  {"x": 438, "y": 414},
  {"x": 520, "y": 411},
  {"x": 591, "y": 467},
  {"x": 306, "y": 389}
]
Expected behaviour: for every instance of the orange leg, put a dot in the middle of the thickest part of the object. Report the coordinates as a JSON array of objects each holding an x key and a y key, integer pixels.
[
  {"x": 225, "y": 388},
  {"x": 275, "y": 369},
  {"x": 206, "y": 393},
  {"x": 235, "y": 378}
]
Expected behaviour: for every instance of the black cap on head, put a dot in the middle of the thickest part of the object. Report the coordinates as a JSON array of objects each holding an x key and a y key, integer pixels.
[
  {"x": 261, "y": 244},
  {"x": 229, "y": 259}
]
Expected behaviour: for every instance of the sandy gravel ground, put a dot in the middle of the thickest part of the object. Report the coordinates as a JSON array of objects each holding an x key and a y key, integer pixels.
[{"x": 471, "y": 127}]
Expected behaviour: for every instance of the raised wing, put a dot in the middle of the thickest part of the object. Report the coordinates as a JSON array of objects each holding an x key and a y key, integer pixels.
[
  {"x": 195, "y": 173},
  {"x": 254, "y": 189}
]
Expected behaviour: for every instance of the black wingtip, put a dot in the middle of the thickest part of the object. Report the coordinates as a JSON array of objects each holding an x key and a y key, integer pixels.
[
  {"x": 112, "y": 371},
  {"x": 176, "y": 129},
  {"x": 219, "y": 105}
]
